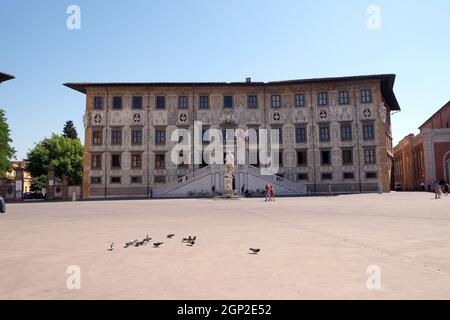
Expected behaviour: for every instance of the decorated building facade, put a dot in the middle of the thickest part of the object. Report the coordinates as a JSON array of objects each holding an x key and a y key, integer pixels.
[{"x": 333, "y": 132}]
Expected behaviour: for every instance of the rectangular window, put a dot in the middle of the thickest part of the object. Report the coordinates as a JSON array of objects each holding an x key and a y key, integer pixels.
[
  {"x": 96, "y": 180},
  {"x": 96, "y": 161},
  {"x": 136, "y": 179},
  {"x": 160, "y": 136},
  {"x": 136, "y": 137},
  {"x": 160, "y": 161},
  {"x": 346, "y": 132},
  {"x": 116, "y": 179},
  {"x": 322, "y": 98},
  {"x": 280, "y": 159},
  {"x": 97, "y": 137},
  {"x": 325, "y": 157},
  {"x": 183, "y": 102},
  {"x": 280, "y": 133},
  {"x": 137, "y": 102},
  {"x": 98, "y": 103},
  {"x": 366, "y": 96},
  {"x": 204, "y": 102},
  {"x": 252, "y": 102},
  {"x": 275, "y": 101},
  {"x": 160, "y": 102},
  {"x": 344, "y": 98},
  {"x": 327, "y": 176},
  {"x": 348, "y": 176},
  {"x": 300, "y": 135},
  {"x": 116, "y": 137},
  {"x": 299, "y": 100},
  {"x": 371, "y": 175},
  {"x": 205, "y": 135},
  {"x": 324, "y": 134},
  {"x": 347, "y": 157},
  {"x": 302, "y": 177},
  {"x": 136, "y": 161},
  {"x": 117, "y": 103},
  {"x": 228, "y": 102},
  {"x": 368, "y": 131},
  {"x": 116, "y": 161},
  {"x": 160, "y": 179},
  {"x": 370, "y": 156},
  {"x": 302, "y": 158}
]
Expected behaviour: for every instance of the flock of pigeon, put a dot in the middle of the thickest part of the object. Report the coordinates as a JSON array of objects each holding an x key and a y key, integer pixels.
[{"x": 189, "y": 241}]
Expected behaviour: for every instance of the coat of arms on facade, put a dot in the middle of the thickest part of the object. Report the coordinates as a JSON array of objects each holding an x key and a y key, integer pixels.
[
  {"x": 98, "y": 119},
  {"x": 183, "y": 117},
  {"x": 367, "y": 113},
  {"x": 229, "y": 117},
  {"x": 383, "y": 112},
  {"x": 137, "y": 118},
  {"x": 276, "y": 117},
  {"x": 323, "y": 114}
]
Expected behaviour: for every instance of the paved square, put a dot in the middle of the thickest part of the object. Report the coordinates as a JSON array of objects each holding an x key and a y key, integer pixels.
[{"x": 311, "y": 248}]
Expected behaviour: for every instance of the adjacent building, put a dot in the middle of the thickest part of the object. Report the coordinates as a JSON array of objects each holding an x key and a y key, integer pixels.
[
  {"x": 423, "y": 159},
  {"x": 333, "y": 131}
]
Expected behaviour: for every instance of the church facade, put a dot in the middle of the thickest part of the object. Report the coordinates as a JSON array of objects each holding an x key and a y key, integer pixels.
[{"x": 334, "y": 132}]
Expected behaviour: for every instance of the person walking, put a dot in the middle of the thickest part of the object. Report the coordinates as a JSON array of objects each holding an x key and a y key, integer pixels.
[
  {"x": 437, "y": 190},
  {"x": 446, "y": 188},
  {"x": 329, "y": 192},
  {"x": 267, "y": 191}
]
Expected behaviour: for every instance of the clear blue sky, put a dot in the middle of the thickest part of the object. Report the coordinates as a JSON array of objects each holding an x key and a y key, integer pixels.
[{"x": 215, "y": 40}]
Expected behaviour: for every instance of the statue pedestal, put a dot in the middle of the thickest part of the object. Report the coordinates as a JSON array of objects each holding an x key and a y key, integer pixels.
[{"x": 228, "y": 191}]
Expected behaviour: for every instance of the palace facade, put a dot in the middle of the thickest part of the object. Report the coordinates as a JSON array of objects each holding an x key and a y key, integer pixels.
[{"x": 333, "y": 131}]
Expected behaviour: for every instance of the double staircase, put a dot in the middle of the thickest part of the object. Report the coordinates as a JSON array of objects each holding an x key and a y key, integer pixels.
[{"x": 201, "y": 182}]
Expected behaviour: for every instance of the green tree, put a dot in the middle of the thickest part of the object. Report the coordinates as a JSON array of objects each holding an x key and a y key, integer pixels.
[
  {"x": 38, "y": 183},
  {"x": 69, "y": 130},
  {"x": 64, "y": 154},
  {"x": 7, "y": 152}
]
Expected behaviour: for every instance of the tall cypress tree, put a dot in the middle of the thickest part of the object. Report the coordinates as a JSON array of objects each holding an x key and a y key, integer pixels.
[
  {"x": 7, "y": 152},
  {"x": 69, "y": 130}
]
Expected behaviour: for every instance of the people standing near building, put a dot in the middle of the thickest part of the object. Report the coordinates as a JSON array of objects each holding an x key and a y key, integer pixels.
[
  {"x": 446, "y": 188},
  {"x": 329, "y": 192},
  {"x": 437, "y": 190},
  {"x": 272, "y": 193},
  {"x": 267, "y": 191}
]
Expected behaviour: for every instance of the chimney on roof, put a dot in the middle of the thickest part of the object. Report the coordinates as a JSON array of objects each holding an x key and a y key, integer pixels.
[{"x": 248, "y": 80}]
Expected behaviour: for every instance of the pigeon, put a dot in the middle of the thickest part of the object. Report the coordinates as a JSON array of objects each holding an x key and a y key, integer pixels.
[
  {"x": 189, "y": 239},
  {"x": 157, "y": 244},
  {"x": 170, "y": 236},
  {"x": 191, "y": 244},
  {"x": 255, "y": 251},
  {"x": 111, "y": 247},
  {"x": 147, "y": 239}
]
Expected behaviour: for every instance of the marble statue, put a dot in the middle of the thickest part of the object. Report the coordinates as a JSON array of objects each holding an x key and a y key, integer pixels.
[{"x": 228, "y": 176}]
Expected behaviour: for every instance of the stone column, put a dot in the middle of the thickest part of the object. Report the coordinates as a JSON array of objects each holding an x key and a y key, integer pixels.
[
  {"x": 50, "y": 183},
  {"x": 18, "y": 184},
  {"x": 65, "y": 189}
]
